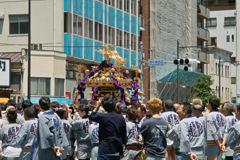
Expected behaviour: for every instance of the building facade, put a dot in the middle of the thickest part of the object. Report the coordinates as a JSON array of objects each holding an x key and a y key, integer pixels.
[
  {"x": 47, "y": 73},
  {"x": 167, "y": 22},
  {"x": 203, "y": 37},
  {"x": 90, "y": 24},
  {"x": 145, "y": 38},
  {"x": 223, "y": 32},
  {"x": 220, "y": 72},
  {"x": 77, "y": 27}
]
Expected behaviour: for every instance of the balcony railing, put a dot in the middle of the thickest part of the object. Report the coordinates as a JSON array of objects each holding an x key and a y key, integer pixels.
[
  {"x": 203, "y": 11},
  {"x": 203, "y": 34},
  {"x": 203, "y": 56}
]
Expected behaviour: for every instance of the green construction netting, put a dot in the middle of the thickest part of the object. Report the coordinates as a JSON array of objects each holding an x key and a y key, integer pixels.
[{"x": 185, "y": 78}]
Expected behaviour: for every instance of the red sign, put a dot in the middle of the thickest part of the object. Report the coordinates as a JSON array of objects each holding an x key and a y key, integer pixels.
[{"x": 67, "y": 95}]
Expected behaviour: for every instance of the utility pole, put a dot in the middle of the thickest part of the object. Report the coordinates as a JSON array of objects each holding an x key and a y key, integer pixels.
[
  {"x": 29, "y": 49},
  {"x": 178, "y": 51},
  {"x": 178, "y": 72},
  {"x": 219, "y": 69},
  {"x": 141, "y": 53}
]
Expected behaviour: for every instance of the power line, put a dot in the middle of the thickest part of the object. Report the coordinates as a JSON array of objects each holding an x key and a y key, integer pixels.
[
  {"x": 7, "y": 44},
  {"x": 20, "y": 1}
]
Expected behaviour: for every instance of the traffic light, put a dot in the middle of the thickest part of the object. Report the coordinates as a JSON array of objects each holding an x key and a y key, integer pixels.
[
  {"x": 185, "y": 68},
  {"x": 182, "y": 62},
  {"x": 176, "y": 61}
]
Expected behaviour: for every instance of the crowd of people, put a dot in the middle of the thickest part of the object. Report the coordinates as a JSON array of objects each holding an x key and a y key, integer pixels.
[{"x": 113, "y": 131}]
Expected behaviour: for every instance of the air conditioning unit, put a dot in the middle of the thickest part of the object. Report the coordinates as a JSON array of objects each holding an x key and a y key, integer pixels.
[
  {"x": 35, "y": 46},
  {"x": 40, "y": 46}
]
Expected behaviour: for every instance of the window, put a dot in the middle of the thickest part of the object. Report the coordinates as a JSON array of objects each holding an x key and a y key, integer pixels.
[
  {"x": 70, "y": 72},
  {"x": 59, "y": 87},
  {"x": 133, "y": 42},
  {"x": 119, "y": 4},
  {"x": 18, "y": 24},
  {"x": 228, "y": 72},
  {"x": 234, "y": 100},
  {"x": 126, "y": 5},
  {"x": 233, "y": 80},
  {"x": 232, "y": 37},
  {"x": 106, "y": 1},
  {"x": 211, "y": 22},
  {"x": 126, "y": 40},
  {"x": 225, "y": 71},
  {"x": 220, "y": 2},
  {"x": 111, "y": 35},
  {"x": 141, "y": 21},
  {"x": 219, "y": 67},
  {"x": 80, "y": 26},
  {"x": 106, "y": 33},
  {"x": 229, "y": 21},
  {"x": 214, "y": 41},
  {"x": 88, "y": 28},
  {"x": 15, "y": 79},
  {"x": 119, "y": 38},
  {"x": 67, "y": 22},
  {"x": 216, "y": 69},
  {"x": 111, "y": 3},
  {"x": 133, "y": 7},
  {"x": 222, "y": 91},
  {"x": 100, "y": 0},
  {"x": 75, "y": 24},
  {"x": 228, "y": 38},
  {"x": 40, "y": 86},
  {"x": 222, "y": 70},
  {"x": 1, "y": 26},
  {"x": 98, "y": 31}
]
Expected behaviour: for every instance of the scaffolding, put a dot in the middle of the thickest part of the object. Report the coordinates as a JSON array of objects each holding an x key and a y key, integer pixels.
[{"x": 167, "y": 86}]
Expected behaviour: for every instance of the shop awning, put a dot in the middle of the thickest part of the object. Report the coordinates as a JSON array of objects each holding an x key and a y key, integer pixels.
[
  {"x": 35, "y": 100},
  {"x": 4, "y": 100},
  {"x": 14, "y": 56}
]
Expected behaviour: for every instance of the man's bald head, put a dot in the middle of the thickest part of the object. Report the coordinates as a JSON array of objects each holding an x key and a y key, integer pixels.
[{"x": 9, "y": 107}]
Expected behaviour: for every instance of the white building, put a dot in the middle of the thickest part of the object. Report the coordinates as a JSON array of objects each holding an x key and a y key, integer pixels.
[
  {"x": 238, "y": 51},
  {"x": 220, "y": 61},
  {"x": 47, "y": 73},
  {"x": 223, "y": 32}
]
